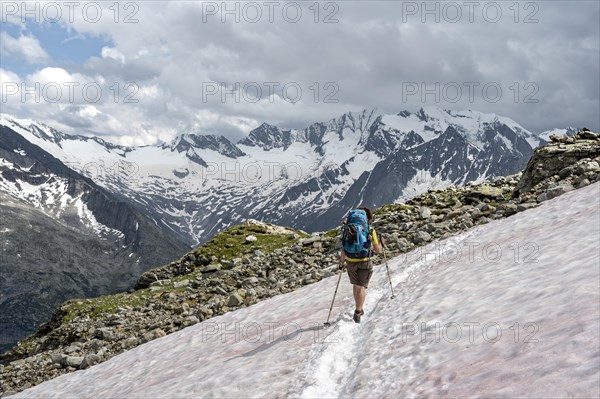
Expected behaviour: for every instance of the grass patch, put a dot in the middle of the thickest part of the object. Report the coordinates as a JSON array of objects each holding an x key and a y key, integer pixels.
[
  {"x": 95, "y": 308},
  {"x": 392, "y": 208},
  {"x": 332, "y": 233},
  {"x": 232, "y": 243}
]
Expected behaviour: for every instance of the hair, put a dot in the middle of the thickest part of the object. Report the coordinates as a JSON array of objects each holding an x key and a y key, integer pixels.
[{"x": 369, "y": 213}]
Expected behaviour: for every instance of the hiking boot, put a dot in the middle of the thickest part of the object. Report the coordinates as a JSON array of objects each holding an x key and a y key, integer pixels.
[{"x": 357, "y": 315}]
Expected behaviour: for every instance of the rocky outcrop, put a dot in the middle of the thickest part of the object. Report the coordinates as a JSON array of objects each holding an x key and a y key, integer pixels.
[
  {"x": 231, "y": 272},
  {"x": 573, "y": 159}
]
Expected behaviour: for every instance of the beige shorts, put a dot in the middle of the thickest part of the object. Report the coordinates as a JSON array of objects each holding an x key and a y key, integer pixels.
[{"x": 360, "y": 272}]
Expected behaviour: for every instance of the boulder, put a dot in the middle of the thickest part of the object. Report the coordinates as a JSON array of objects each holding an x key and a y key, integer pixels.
[
  {"x": 308, "y": 241},
  {"x": 211, "y": 268},
  {"x": 154, "y": 334},
  {"x": 181, "y": 284},
  {"x": 525, "y": 206},
  {"x": 555, "y": 191},
  {"x": 74, "y": 361},
  {"x": 190, "y": 321},
  {"x": 566, "y": 172},
  {"x": 105, "y": 334},
  {"x": 89, "y": 361},
  {"x": 129, "y": 342},
  {"x": 250, "y": 281},
  {"x": 587, "y": 135},
  {"x": 235, "y": 299},
  {"x": 59, "y": 359},
  {"x": 420, "y": 237}
]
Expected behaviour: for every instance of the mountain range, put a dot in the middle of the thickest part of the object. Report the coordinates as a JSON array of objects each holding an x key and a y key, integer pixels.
[
  {"x": 196, "y": 185},
  {"x": 84, "y": 217}
]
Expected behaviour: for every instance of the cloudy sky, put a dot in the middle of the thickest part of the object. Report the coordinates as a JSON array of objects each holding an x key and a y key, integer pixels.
[{"x": 139, "y": 72}]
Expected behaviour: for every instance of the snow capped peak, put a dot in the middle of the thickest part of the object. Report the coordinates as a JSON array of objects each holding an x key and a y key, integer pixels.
[
  {"x": 46, "y": 136},
  {"x": 266, "y": 126},
  {"x": 367, "y": 129},
  {"x": 431, "y": 121},
  {"x": 567, "y": 131},
  {"x": 187, "y": 141},
  {"x": 7, "y": 119},
  {"x": 433, "y": 112},
  {"x": 355, "y": 120},
  {"x": 219, "y": 144},
  {"x": 38, "y": 129},
  {"x": 268, "y": 137},
  {"x": 360, "y": 115}
]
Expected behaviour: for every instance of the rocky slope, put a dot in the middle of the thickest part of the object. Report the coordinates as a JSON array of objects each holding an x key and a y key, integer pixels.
[
  {"x": 62, "y": 236},
  {"x": 251, "y": 262},
  {"x": 44, "y": 263}
]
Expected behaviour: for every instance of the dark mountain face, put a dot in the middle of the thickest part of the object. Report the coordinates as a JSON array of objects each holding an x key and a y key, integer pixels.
[
  {"x": 446, "y": 157},
  {"x": 219, "y": 144},
  {"x": 44, "y": 263},
  {"x": 93, "y": 243},
  {"x": 382, "y": 140},
  {"x": 315, "y": 133},
  {"x": 212, "y": 142},
  {"x": 412, "y": 139},
  {"x": 268, "y": 137}
]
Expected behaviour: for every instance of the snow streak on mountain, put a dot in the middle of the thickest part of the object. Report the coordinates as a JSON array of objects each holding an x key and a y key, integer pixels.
[
  {"x": 506, "y": 309},
  {"x": 196, "y": 185}
]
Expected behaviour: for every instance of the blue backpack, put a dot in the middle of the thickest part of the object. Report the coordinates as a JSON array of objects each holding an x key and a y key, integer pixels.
[{"x": 356, "y": 234}]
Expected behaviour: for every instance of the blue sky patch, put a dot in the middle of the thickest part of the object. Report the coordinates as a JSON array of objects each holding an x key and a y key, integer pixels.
[{"x": 66, "y": 49}]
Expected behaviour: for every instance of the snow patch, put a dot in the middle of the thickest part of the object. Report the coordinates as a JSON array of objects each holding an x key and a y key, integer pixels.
[
  {"x": 52, "y": 198},
  {"x": 421, "y": 183}
]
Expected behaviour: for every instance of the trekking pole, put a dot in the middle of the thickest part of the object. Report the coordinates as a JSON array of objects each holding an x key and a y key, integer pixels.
[
  {"x": 388, "y": 270},
  {"x": 327, "y": 324}
]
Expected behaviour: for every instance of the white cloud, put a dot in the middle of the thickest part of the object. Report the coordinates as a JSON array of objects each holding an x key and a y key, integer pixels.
[
  {"x": 108, "y": 52},
  {"x": 7, "y": 76},
  {"x": 368, "y": 56},
  {"x": 26, "y": 47},
  {"x": 89, "y": 111},
  {"x": 10, "y": 86},
  {"x": 54, "y": 75}
]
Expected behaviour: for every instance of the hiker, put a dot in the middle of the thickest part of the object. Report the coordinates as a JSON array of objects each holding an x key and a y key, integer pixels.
[{"x": 359, "y": 241}]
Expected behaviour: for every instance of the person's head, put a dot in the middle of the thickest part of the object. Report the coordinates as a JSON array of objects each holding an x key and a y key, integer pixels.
[{"x": 368, "y": 212}]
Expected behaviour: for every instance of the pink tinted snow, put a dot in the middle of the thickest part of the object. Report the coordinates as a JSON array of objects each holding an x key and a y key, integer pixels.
[{"x": 548, "y": 282}]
